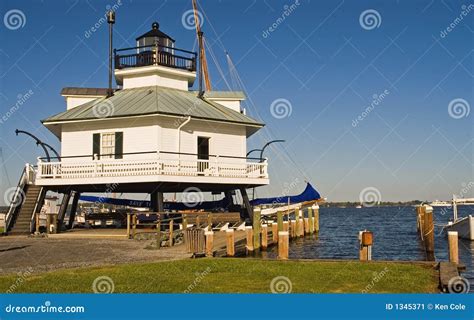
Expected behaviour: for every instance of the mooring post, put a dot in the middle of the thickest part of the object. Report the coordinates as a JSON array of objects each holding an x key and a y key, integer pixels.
[
  {"x": 453, "y": 246},
  {"x": 310, "y": 221},
  {"x": 421, "y": 216},
  {"x": 209, "y": 243},
  {"x": 365, "y": 245},
  {"x": 297, "y": 223},
  {"x": 37, "y": 222},
  {"x": 184, "y": 221},
  {"x": 301, "y": 223},
  {"x": 128, "y": 225},
  {"x": 55, "y": 223},
  {"x": 429, "y": 232},
  {"x": 171, "y": 233},
  {"x": 134, "y": 225},
  {"x": 280, "y": 220},
  {"x": 293, "y": 228},
  {"x": 264, "y": 237},
  {"x": 209, "y": 222},
  {"x": 230, "y": 242},
  {"x": 249, "y": 238},
  {"x": 286, "y": 226},
  {"x": 48, "y": 223},
  {"x": 256, "y": 227},
  {"x": 283, "y": 245},
  {"x": 158, "y": 234},
  {"x": 315, "y": 208},
  {"x": 275, "y": 232},
  {"x": 198, "y": 221}
]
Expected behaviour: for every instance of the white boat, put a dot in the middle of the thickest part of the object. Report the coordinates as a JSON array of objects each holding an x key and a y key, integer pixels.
[
  {"x": 438, "y": 203},
  {"x": 464, "y": 226}
]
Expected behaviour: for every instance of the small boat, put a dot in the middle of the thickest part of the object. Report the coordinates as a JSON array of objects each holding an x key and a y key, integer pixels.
[
  {"x": 464, "y": 226},
  {"x": 438, "y": 203},
  {"x": 359, "y": 206}
]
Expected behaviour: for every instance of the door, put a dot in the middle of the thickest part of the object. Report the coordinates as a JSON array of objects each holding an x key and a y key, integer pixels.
[{"x": 203, "y": 154}]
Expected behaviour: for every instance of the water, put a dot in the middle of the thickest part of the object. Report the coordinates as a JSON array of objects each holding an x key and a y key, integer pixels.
[{"x": 395, "y": 236}]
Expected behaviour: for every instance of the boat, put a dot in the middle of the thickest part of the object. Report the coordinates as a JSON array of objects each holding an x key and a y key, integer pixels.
[
  {"x": 464, "y": 226},
  {"x": 438, "y": 203},
  {"x": 359, "y": 206}
]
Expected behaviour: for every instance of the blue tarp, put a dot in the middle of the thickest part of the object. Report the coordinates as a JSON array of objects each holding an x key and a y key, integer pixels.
[{"x": 309, "y": 194}]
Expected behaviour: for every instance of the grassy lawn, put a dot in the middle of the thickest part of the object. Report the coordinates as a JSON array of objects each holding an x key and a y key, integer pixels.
[{"x": 233, "y": 275}]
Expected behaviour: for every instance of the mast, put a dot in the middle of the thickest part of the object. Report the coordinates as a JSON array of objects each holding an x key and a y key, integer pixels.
[{"x": 204, "y": 72}]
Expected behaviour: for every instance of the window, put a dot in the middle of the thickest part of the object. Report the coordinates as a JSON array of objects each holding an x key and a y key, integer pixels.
[
  {"x": 107, "y": 148},
  {"x": 107, "y": 145}
]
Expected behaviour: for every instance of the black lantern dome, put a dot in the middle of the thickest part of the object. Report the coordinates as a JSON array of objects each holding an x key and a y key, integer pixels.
[{"x": 155, "y": 37}]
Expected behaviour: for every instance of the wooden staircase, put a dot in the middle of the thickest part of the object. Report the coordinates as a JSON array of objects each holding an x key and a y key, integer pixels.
[{"x": 22, "y": 224}]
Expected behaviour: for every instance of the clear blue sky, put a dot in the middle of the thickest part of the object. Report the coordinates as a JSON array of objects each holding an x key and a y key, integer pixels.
[{"x": 320, "y": 58}]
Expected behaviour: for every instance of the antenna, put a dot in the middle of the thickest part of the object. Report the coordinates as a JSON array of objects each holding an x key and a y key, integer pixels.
[{"x": 110, "y": 21}]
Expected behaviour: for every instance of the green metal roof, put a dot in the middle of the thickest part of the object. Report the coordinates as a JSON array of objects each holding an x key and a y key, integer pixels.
[
  {"x": 153, "y": 100},
  {"x": 240, "y": 95}
]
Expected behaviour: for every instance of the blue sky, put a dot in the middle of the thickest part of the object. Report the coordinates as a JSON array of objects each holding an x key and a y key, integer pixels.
[{"x": 322, "y": 59}]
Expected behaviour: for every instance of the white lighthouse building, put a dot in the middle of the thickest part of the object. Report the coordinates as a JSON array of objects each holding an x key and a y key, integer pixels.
[{"x": 153, "y": 135}]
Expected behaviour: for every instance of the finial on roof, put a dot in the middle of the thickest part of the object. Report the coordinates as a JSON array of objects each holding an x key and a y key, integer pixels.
[{"x": 155, "y": 25}]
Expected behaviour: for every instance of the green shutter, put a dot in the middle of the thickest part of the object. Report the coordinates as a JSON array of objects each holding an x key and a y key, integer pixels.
[
  {"x": 96, "y": 145},
  {"x": 118, "y": 145}
]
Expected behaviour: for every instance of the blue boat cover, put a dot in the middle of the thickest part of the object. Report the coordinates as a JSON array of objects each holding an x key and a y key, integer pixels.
[
  {"x": 309, "y": 194},
  {"x": 205, "y": 205}
]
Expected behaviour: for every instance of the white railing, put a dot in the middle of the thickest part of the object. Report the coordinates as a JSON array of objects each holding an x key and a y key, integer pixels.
[{"x": 150, "y": 167}]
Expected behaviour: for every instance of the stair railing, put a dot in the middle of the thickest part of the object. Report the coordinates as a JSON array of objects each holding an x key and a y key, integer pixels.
[{"x": 27, "y": 177}]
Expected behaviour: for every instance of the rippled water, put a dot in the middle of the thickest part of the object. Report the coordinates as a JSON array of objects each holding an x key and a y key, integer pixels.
[{"x": 395, "y": 236}]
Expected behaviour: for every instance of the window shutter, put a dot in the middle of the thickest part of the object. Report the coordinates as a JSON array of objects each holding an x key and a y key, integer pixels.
[
  {"x": 96, "y": 145},
  {"x": 118, "y": 145}
]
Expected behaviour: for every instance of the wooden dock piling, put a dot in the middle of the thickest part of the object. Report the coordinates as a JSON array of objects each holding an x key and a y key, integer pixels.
[
  {"x": 316, "y": 217},
  {"x": 306, "y": 225},
  {"x": 275, "y": 232},
  {"x": 230, "y": 242},
  {"x": 209, "y": 243},
  {"x": 453, "y": 246},
  {"x": 283, "y": 245},
  {"x": 171, "y": 241},
  {"x": 256, "y": 228},
  {"x": 249, "y": 238},
  {"x": 280, "y": 220},
  {"x": 264, "y": 237},
  {"x": 134, "y": 225},
  {"x": 365, "y": 245},
  {"x": 292, "y": 229},
  {"x": 310, "y": 220},
  {"x": 128, "y": 226},
  {"x": 286, "y": 226},
  {"x": 158, "y": 234},
  {"x": 428, "y": 232}
]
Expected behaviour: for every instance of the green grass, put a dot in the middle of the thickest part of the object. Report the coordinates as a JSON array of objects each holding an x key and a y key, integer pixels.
[{"x": 234, "y": 275}]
